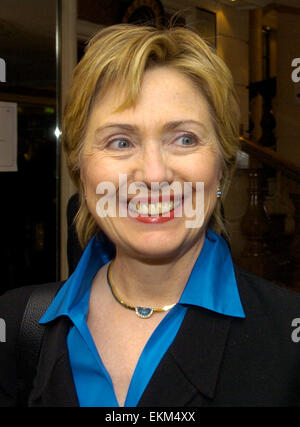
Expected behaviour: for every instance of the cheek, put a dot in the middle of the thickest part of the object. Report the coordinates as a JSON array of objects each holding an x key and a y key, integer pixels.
[
  {"x": 206, "y": 169},
  {"x": 95, "y": 170}
]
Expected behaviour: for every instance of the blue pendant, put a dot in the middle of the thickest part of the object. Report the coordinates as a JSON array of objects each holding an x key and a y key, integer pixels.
[{"x": 144, "y": 312}]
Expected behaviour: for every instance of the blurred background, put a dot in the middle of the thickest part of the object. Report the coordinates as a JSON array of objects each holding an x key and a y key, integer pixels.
[{"x": 41, "y": 42}]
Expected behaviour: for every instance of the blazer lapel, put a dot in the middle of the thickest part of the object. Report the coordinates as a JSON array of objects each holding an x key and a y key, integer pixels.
[
  {"x": 186, "y": 376},
  {"x": 53, "y": 384},
  {"x": 189, "y": 370}
]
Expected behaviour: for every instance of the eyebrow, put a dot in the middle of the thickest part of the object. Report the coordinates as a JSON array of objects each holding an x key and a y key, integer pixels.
[{"x": 167, "y": 126}]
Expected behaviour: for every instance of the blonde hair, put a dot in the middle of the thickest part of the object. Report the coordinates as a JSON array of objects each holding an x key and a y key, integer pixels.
[{"x": 121, "y": 54}]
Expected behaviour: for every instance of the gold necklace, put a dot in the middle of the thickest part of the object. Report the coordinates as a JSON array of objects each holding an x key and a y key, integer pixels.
[{"x": 142, "y": 312}]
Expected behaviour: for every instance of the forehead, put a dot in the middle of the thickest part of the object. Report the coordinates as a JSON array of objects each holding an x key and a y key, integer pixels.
[{"x": 165, "y": 95}]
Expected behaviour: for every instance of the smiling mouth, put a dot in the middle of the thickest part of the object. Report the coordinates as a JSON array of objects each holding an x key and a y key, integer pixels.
[{"x": 154, "y": 209}]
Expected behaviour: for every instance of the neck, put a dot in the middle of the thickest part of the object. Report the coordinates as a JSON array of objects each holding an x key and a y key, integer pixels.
[{"x": 148, "y": 282}]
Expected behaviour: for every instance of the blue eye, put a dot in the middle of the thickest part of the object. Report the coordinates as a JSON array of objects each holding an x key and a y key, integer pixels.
[
  {"x": 121, "y": 143},
  {"x": 187, "y": 140}
]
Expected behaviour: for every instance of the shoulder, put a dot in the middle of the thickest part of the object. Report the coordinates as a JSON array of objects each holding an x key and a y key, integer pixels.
[
  {"x": 12, "y": 306},
  {"x": 256, "y": 292},
  {"x": 13, "y": 303},
  {"x": 262, "y": 357},
  {"x": 271, "y": 310}
]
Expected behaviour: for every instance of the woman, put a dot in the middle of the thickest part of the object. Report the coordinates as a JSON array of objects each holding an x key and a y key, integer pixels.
[{"x": 156, "y": 314}]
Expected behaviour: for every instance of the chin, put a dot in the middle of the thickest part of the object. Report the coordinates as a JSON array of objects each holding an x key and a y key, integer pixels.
[
  {"x": 156, "y": 256},
  {"x": 158, "y": 246}
]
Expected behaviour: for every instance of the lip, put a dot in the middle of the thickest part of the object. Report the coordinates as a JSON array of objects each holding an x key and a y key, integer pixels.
[{"x": 158, "y": 219}]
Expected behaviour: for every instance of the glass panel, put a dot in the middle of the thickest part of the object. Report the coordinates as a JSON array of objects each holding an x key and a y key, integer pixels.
[{"x": 28, "y": 214}]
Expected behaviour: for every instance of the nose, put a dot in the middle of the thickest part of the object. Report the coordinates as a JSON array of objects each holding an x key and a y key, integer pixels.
[{"x": 154, "y": 164}]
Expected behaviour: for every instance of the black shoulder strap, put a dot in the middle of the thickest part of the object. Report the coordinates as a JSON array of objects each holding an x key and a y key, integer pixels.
[{"x": 31, "y": 334}]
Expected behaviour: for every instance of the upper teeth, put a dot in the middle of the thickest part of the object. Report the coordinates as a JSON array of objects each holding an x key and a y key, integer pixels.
[{"x": 154, "y": 208}]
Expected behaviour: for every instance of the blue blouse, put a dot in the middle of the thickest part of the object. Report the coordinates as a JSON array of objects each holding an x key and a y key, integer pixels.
[{"x": 212, "y": 285}]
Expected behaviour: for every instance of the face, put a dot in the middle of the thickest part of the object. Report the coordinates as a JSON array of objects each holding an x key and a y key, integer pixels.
[{"x": 165, "y": 140}]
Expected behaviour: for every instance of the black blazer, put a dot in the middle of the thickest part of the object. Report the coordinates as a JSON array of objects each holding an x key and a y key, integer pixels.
[{"x": 215, "y": 360}]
